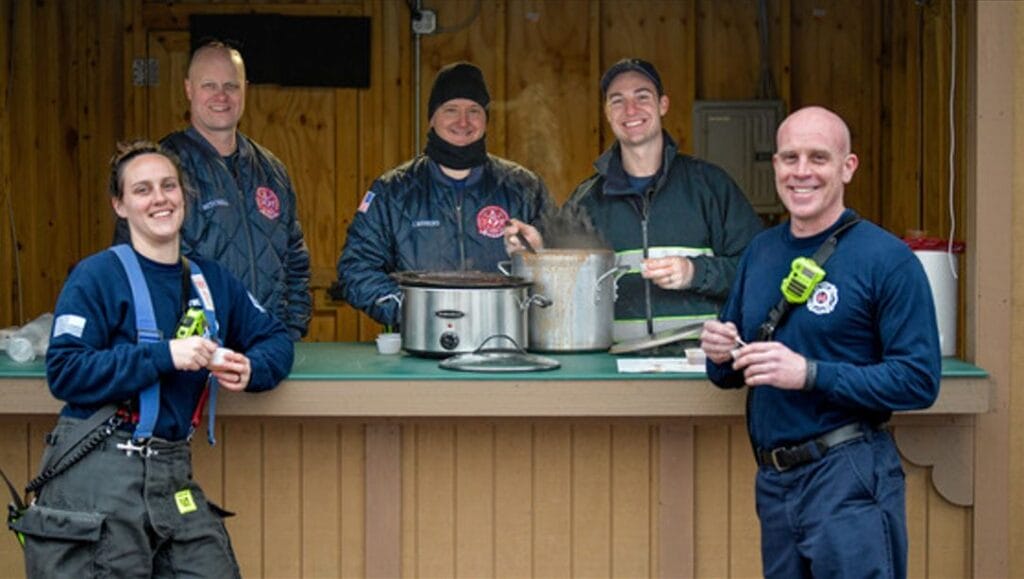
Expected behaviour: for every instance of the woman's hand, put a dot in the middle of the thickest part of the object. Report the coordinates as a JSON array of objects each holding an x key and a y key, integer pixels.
[
  {"x": 233, "y": 372},
  {"x": 192, "y": 353}
]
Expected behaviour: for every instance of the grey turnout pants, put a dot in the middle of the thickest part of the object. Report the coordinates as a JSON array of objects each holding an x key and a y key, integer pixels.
[{"x": 115, "y": 515}]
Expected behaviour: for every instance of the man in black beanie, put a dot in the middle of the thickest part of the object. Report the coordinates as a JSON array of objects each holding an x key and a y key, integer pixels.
[{"x": 445, "y": 209}]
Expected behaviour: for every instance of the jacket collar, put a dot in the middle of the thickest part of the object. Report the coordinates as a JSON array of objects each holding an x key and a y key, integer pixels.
[
  {"x": 475, "y": 174},
  {"x": 242, "y": 145},
  {"x": 616, "y": 182}
]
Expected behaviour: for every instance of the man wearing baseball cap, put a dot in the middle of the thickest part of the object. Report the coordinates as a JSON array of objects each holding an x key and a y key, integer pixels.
[
  {"x": 679, "y": 223},
  {"x": 443, "y": 210}
]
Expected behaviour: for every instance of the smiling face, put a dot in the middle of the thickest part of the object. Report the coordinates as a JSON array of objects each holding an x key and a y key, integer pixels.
[
  {"x": 634, "y": 109},
  {"x": 460, "y": 121},
  {"x": 215, "y": 88},
  {"x": 812, "y": 166},
  {"x": 152, "y": 202}
]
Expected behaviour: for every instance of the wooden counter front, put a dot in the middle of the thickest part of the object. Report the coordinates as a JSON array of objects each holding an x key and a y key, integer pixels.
[
  {"x": 362, "y": 465},
  {"x": 346, "y": 379}
]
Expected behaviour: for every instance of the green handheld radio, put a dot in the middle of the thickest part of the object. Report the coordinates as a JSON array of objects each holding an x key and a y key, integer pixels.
[
  {"x": 193, "y": 323},
  {"x": 804, "y": 274}
]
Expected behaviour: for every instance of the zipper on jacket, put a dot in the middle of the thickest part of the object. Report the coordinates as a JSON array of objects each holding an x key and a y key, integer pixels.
[
  {"x": 645, "y": 213},
  {"x": 460, "y": 198}
]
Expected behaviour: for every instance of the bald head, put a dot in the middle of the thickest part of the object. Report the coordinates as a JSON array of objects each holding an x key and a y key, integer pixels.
[
  {"x": 819, "y": 120},
  {"x": 216, "y": 51}
]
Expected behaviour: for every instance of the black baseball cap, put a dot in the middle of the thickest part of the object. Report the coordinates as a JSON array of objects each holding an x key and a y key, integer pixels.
[{"x": 630, "y": 64}]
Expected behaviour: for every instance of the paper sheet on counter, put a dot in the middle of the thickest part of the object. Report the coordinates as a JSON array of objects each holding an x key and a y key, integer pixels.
[{"x": 654, "y": 365}]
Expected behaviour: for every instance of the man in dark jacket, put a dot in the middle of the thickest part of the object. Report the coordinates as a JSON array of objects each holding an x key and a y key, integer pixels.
[
  {"x": 242, "y": 211},
  {"x": 679, "y": 223},
  {"x": 444, "y": 210}
]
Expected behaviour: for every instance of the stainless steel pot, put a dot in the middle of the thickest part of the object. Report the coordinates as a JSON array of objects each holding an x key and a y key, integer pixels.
[
  {"x": 445, "y": 313},
  {"x": 581, "y": 286}
]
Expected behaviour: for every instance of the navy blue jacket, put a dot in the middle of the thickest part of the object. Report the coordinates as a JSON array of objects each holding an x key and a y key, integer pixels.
[
  {"x": 93, "y": 358},
  {"x": 244, "y": 216},
  {"x": 414, "y": 218}
]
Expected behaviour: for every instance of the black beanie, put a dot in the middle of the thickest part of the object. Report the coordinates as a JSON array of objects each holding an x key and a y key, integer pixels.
[{"x": 459, "y": 80}]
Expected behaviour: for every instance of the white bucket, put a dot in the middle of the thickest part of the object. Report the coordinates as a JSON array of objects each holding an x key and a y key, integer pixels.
[{"x": 944, "y": 292}]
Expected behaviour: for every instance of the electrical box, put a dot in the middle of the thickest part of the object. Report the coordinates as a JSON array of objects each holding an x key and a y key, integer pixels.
[{"x": 739, "y": 136}]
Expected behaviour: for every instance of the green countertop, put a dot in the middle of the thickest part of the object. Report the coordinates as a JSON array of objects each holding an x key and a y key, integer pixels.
[{"x": 360, "y": 361}]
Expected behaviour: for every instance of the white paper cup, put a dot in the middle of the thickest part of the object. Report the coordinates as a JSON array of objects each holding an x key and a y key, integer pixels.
[
  {"x": 389, "y": 343},
  {"x": 696, "y": 356},
  {"x": 218, "y": 357}
]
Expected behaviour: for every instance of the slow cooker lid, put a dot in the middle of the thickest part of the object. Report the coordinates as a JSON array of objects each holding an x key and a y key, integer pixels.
[
  {"x": 457, "y": 279},
  {"x": 491, "y": 359}
]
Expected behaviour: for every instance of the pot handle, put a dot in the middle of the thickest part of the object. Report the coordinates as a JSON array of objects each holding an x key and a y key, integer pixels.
[
  {"x": 505, "y": 267},
  {"x": 481, "y": 348},
  {"x": 538, "y": 299},
  {"x": 618, "y": 271}
]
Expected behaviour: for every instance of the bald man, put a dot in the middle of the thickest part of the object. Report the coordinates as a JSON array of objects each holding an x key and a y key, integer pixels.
[
  {"x": 853, "y": 340},
  {"x": 243, "y": 210}
]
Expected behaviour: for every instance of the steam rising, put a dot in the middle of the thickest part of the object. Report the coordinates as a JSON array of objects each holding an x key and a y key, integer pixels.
[{"x": 570, "y": 227}]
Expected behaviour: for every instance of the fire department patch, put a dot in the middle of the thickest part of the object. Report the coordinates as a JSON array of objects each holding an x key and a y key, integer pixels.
[
  {"x": 268, "y": 203},
  {"x": 490, "y": 221},
  {"x": 824, "y": 299}
]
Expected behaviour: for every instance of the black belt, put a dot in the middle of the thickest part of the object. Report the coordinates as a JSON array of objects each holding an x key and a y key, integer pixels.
[{"x": 784, "y": 458}]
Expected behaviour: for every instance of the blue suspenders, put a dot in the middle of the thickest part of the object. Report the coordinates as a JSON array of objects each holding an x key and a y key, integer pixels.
[{"x": 145, "y": 322}]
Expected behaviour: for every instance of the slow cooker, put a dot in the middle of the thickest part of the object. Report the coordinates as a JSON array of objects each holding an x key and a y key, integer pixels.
[{"x": 453, "y": 312}]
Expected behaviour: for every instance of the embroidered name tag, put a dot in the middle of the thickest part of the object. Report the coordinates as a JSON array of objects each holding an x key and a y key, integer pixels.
[
  {"x": 426, "y": 223},
  {"x": 214, "y": 203}
]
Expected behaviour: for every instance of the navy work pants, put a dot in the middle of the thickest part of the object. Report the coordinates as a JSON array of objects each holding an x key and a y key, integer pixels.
[{"x": 841, "y": 516}]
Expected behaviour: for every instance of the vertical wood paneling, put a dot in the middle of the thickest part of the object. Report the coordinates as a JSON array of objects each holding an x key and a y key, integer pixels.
[
  {"x": 9, "y": 311},
  {"x": 244, "y": 492},
  {"x": 744, "y": 530},
  {"x": 321, "y": 481},
  {"x": 711, "y": 500},
  {"x": 354, "y": 473},
  {"x": 384, "y": 484},
  {"x": 474, "y": 500},
  {"x": 435, "y": 500},
  {"x": 949, "y": 530},
  {"x": 676, "y": 497},
  {"x": 557, "y": 141},
  {"x": 552, "y": 500},
  {"x": 837, "y": 46},
  {"x": 592, "y": 500},
  {"x": 282, "y": 508},
  {"x": 727, "y": 31},
  {"x": 631, "y": 504},
  {"x": 513, "y": 499},
  {"x": 918, "y": 486}
]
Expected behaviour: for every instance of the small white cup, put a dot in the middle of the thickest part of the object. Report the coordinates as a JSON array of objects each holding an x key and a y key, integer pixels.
[
  {"x": 696, "y": 356},
  {"x": 389, "y": 343},
  {"x": 218, "y": 357}
]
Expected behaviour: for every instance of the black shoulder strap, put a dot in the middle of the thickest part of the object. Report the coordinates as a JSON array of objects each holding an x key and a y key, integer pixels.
[{"x": 821, "y": 255}]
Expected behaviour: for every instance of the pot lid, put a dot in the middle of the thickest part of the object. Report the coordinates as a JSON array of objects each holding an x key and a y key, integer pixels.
[
  {"x": 688, "y": 331},
  {"x": 457, "y": 279},
  {"x": 499, "y": 359}
]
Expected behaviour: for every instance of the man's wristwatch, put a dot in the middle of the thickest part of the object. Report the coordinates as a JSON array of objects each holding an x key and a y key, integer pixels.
[{"x": 812, "y": 375}]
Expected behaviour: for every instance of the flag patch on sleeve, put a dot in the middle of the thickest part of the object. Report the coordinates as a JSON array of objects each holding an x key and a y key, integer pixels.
[{"x": 364, "y": 205}]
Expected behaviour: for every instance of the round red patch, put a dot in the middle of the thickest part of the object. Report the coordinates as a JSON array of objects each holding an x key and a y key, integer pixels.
[
  {"x": 268, "y": 203},
  {"x": 490, "y": 221}
]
